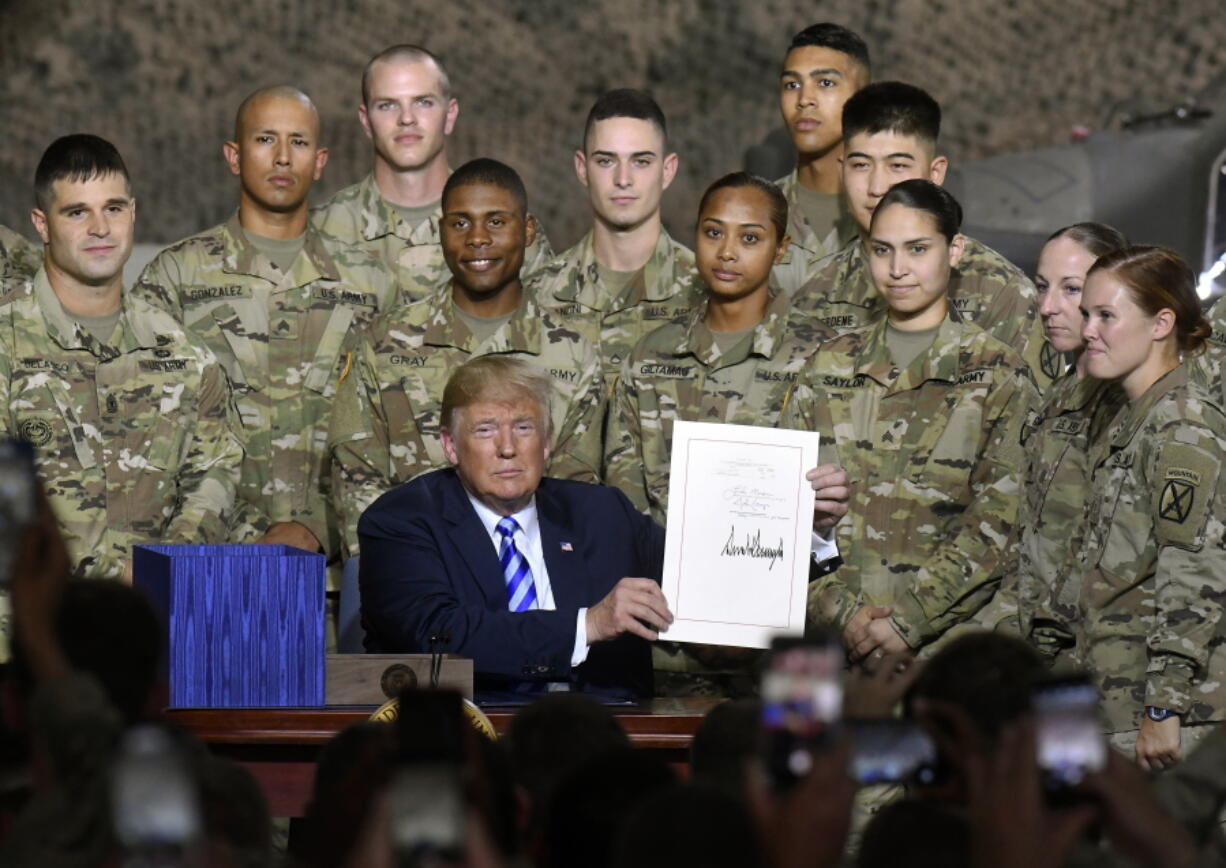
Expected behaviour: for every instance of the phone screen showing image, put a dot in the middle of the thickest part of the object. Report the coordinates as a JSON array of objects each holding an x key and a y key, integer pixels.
[
  {"x": 1069, "y": 735},
  {"x": 802, "y": 699}
]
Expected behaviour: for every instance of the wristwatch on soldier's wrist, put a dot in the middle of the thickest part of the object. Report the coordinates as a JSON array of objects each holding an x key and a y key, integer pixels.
[{"x": 1157, "y": 715}]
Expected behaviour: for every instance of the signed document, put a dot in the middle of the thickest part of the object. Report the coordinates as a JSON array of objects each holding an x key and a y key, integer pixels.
[{"x": 740, "y": 521}]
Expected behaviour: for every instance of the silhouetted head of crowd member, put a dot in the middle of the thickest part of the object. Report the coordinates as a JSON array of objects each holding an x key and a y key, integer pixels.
[
  {"x": 724, "y": 742},
  {"x": 918, "y": 834},
  {"x": 236, "y": 820},
  {"x": 988, "y": 676},
  {"x": 588, "y": 809},
  {"x": 554, "y": 735},
  {"x": 110, "y": 631},
  {"x": 495, "y": 797},
  {"x": 354, "y": 767},
  {"x": 688, "y": 825}
]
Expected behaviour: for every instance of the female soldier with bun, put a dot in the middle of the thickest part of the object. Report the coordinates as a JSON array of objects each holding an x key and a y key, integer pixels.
[{"x": 925, "y": 412}]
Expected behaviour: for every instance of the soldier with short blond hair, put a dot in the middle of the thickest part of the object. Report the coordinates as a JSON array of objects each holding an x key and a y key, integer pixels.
[{"x": 408, "y": 112}]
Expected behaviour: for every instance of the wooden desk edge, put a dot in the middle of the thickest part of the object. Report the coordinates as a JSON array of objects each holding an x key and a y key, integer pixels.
[{"x": 666, "y": 724}]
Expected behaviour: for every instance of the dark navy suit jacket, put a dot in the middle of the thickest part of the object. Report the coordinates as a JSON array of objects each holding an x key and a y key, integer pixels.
[{"x": 428, "y": 567}]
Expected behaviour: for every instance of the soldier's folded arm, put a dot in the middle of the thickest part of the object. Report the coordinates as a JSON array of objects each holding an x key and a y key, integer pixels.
[
  {"x": 208, "y": 478},
  {"x": 982, "y": 546}
]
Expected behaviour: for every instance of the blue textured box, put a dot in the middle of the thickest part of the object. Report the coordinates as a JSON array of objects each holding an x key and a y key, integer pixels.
[{"x": 246, "y": 623}]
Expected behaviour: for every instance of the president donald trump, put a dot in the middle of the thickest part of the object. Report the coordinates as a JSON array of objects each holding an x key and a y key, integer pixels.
[{"x": 542, "y": 582}]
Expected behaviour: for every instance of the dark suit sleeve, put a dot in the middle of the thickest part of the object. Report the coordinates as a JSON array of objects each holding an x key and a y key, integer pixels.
[
  {"x": 416, "y": 583},
  {"x": 648, "y": 537}
]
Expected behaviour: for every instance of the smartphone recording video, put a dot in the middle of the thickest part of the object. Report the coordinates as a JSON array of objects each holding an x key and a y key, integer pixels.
[
  {"x": 1069, "y": 736},
  {"x": 155, "y": 805},
  {"x": 16, "y": 500},
  {"x": 890, "y": 751},
  {"x": 428, "y": 816},
  {"x": 802, "y": 700},
  {"x": 427, "y": 792}
]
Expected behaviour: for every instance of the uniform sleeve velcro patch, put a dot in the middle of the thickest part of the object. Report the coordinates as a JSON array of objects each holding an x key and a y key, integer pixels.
[{"x": 1186, "y": 480}]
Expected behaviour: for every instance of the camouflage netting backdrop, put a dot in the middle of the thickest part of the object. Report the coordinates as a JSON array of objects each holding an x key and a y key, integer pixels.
[{"x": 161, "y": 78}]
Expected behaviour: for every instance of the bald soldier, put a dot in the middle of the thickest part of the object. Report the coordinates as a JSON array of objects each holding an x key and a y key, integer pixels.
[
  {"x": 19, "y": 259},
  {"x": 824, "y": 65},
  {"x": 278, "y": 303},
  {"x": 408, "y": 111},
  {"x": 128, "y": 414},
  {"x": 627, "y": 274},
  {"x": 388, "y": 420}
]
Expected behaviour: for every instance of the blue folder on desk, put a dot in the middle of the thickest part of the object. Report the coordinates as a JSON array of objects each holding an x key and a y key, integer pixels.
[{"x": 246, "y": 623}]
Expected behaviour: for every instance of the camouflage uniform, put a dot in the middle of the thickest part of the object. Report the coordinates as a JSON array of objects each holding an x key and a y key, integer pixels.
[
  {"x": 985, "y": 288},
  {"x": 360, "y": 217},
  {"x": 677, "y": 372},
  {"x": 933, "y": 453},
  {"x": 19, "y": 259},
  {"x": 1208, "y": 368},
  {"x": 385, "y": 430},
  {"x": 133, "y": 439},
  {"x": 668, "y": 286},
  {"x": 1036, "y": 599},
  {"x": 1153, "y": 571},
  {"x": 1217, "y": 321},
  {"x": 285, "y": 340},
  {"x": 810, "y": 245}
]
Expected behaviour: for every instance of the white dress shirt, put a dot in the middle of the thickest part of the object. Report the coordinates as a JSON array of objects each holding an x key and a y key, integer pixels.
[{"x": 528, "y": 541}]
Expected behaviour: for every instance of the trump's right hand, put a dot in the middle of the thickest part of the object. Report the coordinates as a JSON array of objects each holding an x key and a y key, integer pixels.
[{"x": 633, "y": 606}]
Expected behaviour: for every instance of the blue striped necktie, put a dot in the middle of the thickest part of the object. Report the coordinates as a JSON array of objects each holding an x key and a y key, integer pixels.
[{"x": 521, "y": 591}]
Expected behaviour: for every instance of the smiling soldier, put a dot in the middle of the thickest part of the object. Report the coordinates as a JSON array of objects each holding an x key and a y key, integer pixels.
[
  {"x": 408, "y": 112},
  {"x": 386, "y": 427},
  {"x": 277, "y": 302}
]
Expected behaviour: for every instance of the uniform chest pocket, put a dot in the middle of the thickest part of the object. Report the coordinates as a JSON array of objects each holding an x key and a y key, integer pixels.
[
  {"x": 153, "y": 421},
  {"x": 947, "y": 445},
  {"x": 237, "y": 339},
  {"x": 1120, "y": 534}
]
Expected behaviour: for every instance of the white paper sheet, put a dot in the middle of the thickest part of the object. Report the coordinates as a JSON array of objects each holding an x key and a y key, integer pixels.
[{"x": 740, "y": 520}]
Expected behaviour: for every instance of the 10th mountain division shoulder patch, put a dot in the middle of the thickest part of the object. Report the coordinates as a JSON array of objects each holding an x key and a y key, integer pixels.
[{"x": 1176, "y": 500}]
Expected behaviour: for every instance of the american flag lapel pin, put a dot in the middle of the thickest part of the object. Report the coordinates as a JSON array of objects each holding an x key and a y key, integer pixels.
[{"x": 567, "y": 547}]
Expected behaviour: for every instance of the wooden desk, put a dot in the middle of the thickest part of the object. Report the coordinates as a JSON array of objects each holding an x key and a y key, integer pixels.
[{"x": 279, "y": 745}]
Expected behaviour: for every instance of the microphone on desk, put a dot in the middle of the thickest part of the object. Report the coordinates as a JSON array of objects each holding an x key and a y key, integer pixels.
[{"x": 436, "y": 639}]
